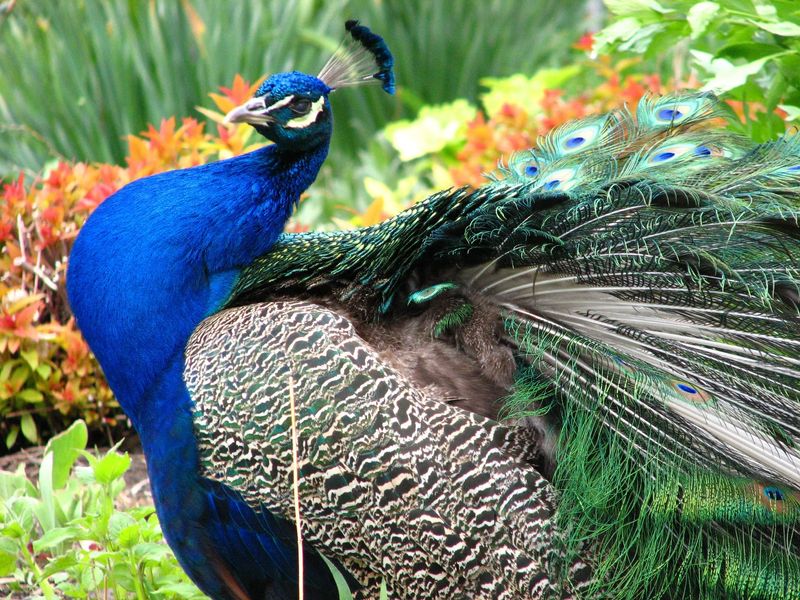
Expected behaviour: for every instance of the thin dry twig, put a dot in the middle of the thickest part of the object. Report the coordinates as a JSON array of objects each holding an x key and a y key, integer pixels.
[{"x": 296, "y": 492}]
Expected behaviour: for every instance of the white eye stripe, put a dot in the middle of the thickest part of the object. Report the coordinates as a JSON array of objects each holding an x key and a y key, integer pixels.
[
  {"x": 310, "y": 117},
  {"x": 280, "y": 104}
]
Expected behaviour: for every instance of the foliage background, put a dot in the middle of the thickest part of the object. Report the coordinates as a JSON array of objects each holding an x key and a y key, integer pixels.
[{"x": 136, "y": 62}]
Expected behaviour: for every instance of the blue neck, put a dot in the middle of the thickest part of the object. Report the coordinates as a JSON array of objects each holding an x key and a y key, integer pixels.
[{"x": 163, "y": 253}]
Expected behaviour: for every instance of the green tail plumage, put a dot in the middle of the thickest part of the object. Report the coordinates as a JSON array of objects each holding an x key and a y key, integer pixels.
[{"x": 645, "y": 272}]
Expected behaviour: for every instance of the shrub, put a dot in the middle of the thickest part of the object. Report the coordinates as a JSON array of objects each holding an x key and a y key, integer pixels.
[
  {"x": 62, "y": 535},
  {"x": 750, "y": 51}
]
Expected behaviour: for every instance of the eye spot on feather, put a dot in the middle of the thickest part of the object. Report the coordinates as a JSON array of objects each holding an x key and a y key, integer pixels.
[
  {"x": 676, "y": 113},
  {"x": 691, "y": 392},
  {"x": 579, "y": 139},
  {"x": 526, "y": 166},
  {"x": 670, "y": 114},
  {"x": 575, "y": 142},
  {"x": 794, "y": 169},
  {"x": 663, "y": 156},
  {"x": 776, "y": 499},
  {"x": 560, "y": 180},
  {"x": 531, "y": 170},
  {"x": 773, "y": 493}
]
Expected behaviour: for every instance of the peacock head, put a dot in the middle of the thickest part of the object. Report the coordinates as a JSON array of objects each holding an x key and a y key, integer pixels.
[{"x": 293, "y": 109}]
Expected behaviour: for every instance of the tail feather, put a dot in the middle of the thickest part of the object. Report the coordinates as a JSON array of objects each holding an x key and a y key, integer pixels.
[
  {"x": 646, "y": 271},
  {"x": 660, "y": 306}
]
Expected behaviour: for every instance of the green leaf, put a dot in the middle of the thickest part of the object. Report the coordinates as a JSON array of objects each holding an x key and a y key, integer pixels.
[
  {"x": 22, "y": 508},
  {"x": 618, "y": 31},
  {"x": 46, "y": 510},
  {"x": 776, "y": 91},
  {"x": 123, "y": 577},
  {"x": 747, "y": 50},
  {"x": 433, "y": 129},
  {"x": 71, "y": 590},
  {"x": 85, "y": 475},
  {"x": 11, "y": 438},
  {"x": 181, "y": 590},
  {"x": 142, "y": 512},
  {"x": 111, "y": 466},
  {"x": 525, "y": 92},
  {"x": 19, "y": 376},
  {"x": 8, "y": 562},
  {"x": 5, "y": 371},
  {"x": 384, "y": 592},
  {"x": 699, "y": 17},
  {"x": 129, "y": 536},
  {"x": 66, "y": 447},
  {"x": 726, "y": 75},
  {"x": 789, "y": 65},
  {"x": 118, "y": 522},
  {"x": 13, "y": 530},
  {"x": 640, "y": 41},
  {"x": 150, "y": 552},
  {"x": 44, "y": 371},
  {"x": 766, "y": 11},
  {"x": 31, "y": 357},
  {"x": 59, "y": 563},
  {"x": 784, "y": 28},
  {"x": 8, "y": 545},
  {"x": 57, "y": 536},
  {"x": 338, "y": 578},
  {"x": 628, "y": 7},
  {"x": 91, "y": 578},
  {"x": 12, "y": 483},
  {"x": 28, "y": 427},
  {"x": 30, "y": 395}
]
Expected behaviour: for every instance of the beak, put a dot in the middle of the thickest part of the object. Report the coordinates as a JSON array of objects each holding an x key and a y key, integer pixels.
[{"x": 254, "y": 112}]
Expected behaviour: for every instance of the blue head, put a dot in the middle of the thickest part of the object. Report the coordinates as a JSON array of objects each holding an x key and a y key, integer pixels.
[{"x": 291, "y": 109}]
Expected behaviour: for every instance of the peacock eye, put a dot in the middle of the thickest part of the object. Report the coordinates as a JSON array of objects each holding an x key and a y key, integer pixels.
[{"x": 301, "y": 106}]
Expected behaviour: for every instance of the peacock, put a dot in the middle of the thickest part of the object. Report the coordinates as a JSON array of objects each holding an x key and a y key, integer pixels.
[{"x": 579, "y": 380}]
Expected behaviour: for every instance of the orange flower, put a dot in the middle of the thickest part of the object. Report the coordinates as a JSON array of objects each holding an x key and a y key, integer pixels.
[{"x": 237, "y": 94}]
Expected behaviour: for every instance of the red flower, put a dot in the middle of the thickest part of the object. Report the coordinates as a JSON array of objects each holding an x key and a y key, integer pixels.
[{"x": 585, "y": 43}]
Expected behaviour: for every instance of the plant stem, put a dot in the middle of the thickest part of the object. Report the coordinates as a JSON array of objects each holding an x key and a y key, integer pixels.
[
  {"x": 137, "y": 580},
  {"x": 45, "y": 586}
]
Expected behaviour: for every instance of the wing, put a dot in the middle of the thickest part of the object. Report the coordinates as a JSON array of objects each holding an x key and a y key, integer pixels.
[{"x": 392, "y": 484}]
